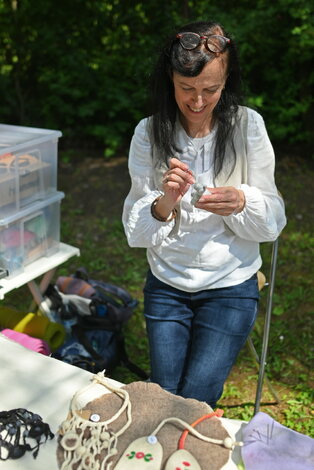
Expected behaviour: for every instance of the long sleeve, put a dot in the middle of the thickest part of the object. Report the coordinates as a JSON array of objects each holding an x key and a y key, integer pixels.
[
  {"x": 199, "y": 249},
  {"x": 141, "y": 229},
  {"x": 263, "y": 217}
]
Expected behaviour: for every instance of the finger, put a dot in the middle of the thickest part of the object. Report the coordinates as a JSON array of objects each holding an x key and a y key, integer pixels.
[
  {"x": 219, "y": 208},
  {"x": 225, "y": 196},
  {"x": 232, "y": 199},
  {"x": 228, "y": 193},
  {"x": 179, "y": 176},
  {"x": 176, "y": 163},
  {"x": 225, "y": 211},
  {"x": 181, "y": 187}
]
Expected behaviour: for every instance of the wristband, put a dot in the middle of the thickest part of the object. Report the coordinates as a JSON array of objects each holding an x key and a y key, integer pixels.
[{"x": 157, "y": 216}]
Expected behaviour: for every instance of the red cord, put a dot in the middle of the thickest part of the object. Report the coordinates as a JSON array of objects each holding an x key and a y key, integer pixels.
[{"x": 217, "y": 413}]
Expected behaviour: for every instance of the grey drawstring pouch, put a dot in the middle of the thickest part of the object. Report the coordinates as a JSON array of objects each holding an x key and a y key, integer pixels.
[{"x": 269, "y": 445}]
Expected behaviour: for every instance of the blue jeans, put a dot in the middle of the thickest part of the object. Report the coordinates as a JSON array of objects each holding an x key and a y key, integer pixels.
[{"x": 194, "y": 338}]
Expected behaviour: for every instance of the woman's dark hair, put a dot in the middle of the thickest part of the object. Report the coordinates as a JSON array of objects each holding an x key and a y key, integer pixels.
[{"x": 190, "y": 63}]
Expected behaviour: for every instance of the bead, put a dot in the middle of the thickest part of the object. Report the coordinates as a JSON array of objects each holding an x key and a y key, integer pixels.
[
  {"x": 87, "y": 463},
  {"x": 80, "y": 451},
  {"x": 65, "y": 426},
  {"x": 66, "y": 441},
  {"x": 95, "y": 418},
  {"x": 95, "y": 433},
  {"x": 17, "y": 452},
  {"x": 105, "y": 436},
  {"x": 228, "y": 443},
  {"x": 152, "y": 439},
  {"x": 12, "y": 430}
]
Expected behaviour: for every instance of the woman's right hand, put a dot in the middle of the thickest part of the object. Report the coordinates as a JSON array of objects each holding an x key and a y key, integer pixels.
[{"x": 176, "y": 182}]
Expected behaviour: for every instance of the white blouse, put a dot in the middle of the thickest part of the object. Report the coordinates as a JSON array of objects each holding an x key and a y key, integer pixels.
[{"x": 205, "y": 250}]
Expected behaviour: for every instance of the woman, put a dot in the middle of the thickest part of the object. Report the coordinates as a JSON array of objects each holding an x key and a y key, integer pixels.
[{"x": 201, "y": 291}]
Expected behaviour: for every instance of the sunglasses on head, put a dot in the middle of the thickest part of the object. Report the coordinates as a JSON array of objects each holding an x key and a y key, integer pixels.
[{"x": 214, "y": 42}]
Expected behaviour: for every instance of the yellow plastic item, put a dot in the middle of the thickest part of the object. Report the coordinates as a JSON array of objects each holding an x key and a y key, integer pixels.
[{"x": 33, "y": 324}]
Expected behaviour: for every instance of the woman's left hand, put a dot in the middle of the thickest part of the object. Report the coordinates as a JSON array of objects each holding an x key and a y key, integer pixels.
[{"x": 222, "y": 201}]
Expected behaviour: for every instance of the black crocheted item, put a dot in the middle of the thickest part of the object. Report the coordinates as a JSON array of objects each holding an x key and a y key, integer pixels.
[{"x": 21, "y": 431}]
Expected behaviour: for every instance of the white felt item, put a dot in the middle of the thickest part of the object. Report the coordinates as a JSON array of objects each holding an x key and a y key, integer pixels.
[
  {"x": 83, "y": 449},
  {"x": 143, "y": 453},
  {"x": 198, "y": 190},
  {"x": 182, "y": 460},
  {"x": 26, "y": 382},
  {"x": 84, "y": 439},
  {"x": 228, "y": 442}
]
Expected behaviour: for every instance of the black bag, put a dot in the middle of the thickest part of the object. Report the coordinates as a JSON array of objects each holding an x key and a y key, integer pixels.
[{"x": 95, "y": 340}]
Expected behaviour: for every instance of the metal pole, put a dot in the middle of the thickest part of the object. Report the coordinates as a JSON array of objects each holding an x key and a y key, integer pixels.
[
  {"x": 257, "y": 362},
  {"x": 269, "y": 306}
]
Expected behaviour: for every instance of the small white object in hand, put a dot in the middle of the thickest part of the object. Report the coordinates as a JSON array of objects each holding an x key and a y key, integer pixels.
[{"x": 197, "y": 191}]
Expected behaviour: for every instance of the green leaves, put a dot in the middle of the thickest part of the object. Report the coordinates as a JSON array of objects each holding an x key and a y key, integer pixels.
[{"x": 85, "y": 70}]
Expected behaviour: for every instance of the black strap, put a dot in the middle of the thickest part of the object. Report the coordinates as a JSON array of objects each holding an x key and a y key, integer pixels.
[
  {"x": 126, "y": 361},
  {"x": 79, "y": 332}
]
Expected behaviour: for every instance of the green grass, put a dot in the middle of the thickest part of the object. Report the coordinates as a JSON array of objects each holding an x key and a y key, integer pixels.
[{"x": 104, "y": 252}]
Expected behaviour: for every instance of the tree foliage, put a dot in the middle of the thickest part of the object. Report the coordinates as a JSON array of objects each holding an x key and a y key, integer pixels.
[{"x": 83, "y": 66}]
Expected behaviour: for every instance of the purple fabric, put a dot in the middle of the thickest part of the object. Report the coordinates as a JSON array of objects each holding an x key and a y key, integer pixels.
[
  {"x": 270, "y": 446},
  {"x": 35, "y": 344}
]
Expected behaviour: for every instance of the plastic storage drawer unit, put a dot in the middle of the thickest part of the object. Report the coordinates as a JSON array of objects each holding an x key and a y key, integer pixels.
[
  {"x": 31, "y": 234},
  {"x": 28, "y": 166}
]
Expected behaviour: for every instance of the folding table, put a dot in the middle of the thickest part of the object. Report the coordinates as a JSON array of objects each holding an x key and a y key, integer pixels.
[{"x": 45, "y": 267}]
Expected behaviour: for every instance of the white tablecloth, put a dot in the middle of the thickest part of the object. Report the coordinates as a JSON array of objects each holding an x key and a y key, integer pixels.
[{"x": 45, "y": 386}]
